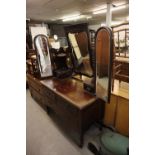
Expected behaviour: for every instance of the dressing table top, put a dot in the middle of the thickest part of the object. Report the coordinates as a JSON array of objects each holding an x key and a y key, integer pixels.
[{"x": 71, "y": 90}]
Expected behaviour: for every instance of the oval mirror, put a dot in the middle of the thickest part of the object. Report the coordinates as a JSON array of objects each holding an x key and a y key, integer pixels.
[
  {"x": 43, "y": 55},
  {"x": 104, "y": 57}
]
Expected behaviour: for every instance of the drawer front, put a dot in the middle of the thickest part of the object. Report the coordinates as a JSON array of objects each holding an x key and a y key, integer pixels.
[
  {"x": 50, "y": 103},
  {"x": 65, "y": 113},
  {"x": 69, "y": 109},
  {"x": 38, "y": 97},
  {"x": 36, "y": 85},
  {"x": 109, "y": 111},
  {"x": 50, "y": 95},
  {"x": 122, "y": 116}
]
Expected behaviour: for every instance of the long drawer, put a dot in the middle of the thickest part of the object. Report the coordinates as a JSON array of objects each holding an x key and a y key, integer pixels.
[
  {"x": 66, "y": 107},
  {"x": 69, "y": 114},
  {"x": 50, "y": 103}
]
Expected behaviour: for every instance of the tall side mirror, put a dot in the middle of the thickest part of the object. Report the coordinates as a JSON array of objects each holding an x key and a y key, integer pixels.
[
  {"x": 43, "y": 55},
  {"x": 104, "y": 58}
]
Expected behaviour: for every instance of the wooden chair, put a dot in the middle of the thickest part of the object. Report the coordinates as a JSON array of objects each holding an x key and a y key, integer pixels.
[{"x": 121, "y": 53}]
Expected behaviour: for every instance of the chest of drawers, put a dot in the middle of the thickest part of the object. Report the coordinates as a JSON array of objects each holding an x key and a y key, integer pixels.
[{"x": 74, "y": 108}]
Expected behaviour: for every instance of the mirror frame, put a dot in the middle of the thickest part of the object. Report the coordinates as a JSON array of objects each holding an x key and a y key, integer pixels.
[
  {"x": 77, "y": 28},
  {"x": 110, "y": 65},
  {"x": 37, "y": 55}
]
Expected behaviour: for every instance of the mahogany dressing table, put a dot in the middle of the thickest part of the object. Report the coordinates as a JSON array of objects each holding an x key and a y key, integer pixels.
[{"x": 75, "y": 108}]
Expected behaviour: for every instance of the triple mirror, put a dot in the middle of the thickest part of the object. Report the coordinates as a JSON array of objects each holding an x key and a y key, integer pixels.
[
  {"x": 104, "y": 61},
  {"x": 80, "y": 44},
  {"x": 43, "y": 55}
]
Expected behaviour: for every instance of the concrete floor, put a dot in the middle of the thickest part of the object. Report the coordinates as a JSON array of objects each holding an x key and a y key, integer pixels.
[{"x": 45, "y": 137}]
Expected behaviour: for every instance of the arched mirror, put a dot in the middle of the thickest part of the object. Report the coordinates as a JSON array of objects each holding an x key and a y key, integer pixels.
[
  {"x": 43, "y": 55},
  {"x": 104, "y": 57}
]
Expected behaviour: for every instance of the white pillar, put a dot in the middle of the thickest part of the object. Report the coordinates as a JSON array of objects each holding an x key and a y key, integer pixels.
[{"x": 108, "y": 15}]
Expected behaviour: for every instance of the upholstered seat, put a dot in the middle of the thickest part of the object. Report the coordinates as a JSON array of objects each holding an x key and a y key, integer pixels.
[{"x": 115, "y": 143}]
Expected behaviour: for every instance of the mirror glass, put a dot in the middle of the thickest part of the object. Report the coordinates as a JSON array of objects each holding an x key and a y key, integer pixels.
[
  {"x": 104, "y": 51},
  {"x": 79, "y": 44},
  {"x": 43, "y": 55}
]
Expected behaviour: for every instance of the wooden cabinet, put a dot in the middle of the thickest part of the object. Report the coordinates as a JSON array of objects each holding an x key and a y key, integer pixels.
[
  {"x": 75, "y": 108},
  {"x": 116, "y": 113},
  {"x": 110, "y": 110},
  {"x": 122, "y": 116}
]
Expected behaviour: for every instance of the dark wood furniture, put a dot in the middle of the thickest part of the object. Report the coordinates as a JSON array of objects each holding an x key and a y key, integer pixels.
[
  {"x": 31, "y": 65},
  {"x": 75, "y": 108}
]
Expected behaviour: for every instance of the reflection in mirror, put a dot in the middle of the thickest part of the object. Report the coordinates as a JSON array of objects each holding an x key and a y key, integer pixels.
[
  {"x": 104, "y": 54},
  {"x": 43, "y": 55},
  {"x": 92, "y": 39},
  {"x": 79, "y": 44}
]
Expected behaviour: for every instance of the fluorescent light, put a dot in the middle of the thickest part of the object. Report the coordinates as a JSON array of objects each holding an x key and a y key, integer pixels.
[
  {"x": 113, "y": 9},
  {"x": 113, "y": 23},
  {"x": 99, "y": 8},
  {"x": 119, "y": 7},
  {"x": 100, "y": 11},
  {"x": 116, "y": 23},
  {"x": 72, "y": 17},
  {"x": 88, "y": 17}
]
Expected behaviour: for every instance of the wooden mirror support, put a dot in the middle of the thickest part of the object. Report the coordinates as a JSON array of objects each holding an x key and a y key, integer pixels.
[{"x": 104, "y": 58}]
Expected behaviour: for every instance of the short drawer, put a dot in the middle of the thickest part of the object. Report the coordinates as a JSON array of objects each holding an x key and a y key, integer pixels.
[
  {"x": 36, "y": 85},
  {"x": 49, "y": 94},
  {"x": 38, "y": 97}
]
